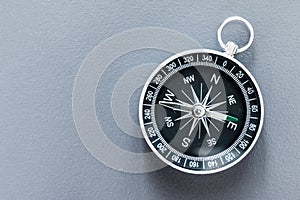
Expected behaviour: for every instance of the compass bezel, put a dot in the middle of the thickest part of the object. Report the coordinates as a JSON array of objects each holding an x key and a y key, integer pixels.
[{"x": 257, "y": 132}]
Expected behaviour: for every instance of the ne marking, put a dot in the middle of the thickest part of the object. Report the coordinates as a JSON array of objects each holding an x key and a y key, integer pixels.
[
  {"x": 237, "y": 150},
  {"x": 155, "y": 140},
  {"x": 185, "y": 162},
  {"x": 197, "y": 58},
  {"x": 147, "y": 104},
  {"x": 222, "y": 160},
  {"x": 148, "y": 123},
  {"x": 253, "y": 117},
  {"x": 168, "y": 154},
  {"x": 203, "y": 164},
  {"x": 248, "y": 135},
  {"x": 152, "y": 87}
]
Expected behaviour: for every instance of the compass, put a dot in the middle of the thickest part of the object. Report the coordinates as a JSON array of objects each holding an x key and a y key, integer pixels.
[{"x": 201, "y": 111}]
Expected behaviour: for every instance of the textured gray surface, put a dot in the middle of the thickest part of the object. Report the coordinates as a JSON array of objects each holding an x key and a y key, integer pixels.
[{"x": 42, "y": 46}]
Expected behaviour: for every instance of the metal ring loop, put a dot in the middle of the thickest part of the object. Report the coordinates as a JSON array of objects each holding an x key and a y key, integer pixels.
[{"x": 236, "y": 18}]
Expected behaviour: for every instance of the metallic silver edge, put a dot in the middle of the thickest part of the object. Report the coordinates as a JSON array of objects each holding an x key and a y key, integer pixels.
[
  {"x": 141, "y": 113},
  {"x": 236, "y": 18}
]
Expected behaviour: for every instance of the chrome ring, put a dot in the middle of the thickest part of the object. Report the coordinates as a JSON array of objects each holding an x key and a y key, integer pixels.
[{"x": 236, "y": 18}]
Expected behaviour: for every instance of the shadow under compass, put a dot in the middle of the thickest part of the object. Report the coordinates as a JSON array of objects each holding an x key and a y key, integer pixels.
[{"x": 233, "y": 183}]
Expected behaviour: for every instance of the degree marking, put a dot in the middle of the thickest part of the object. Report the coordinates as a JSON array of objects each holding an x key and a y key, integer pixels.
[
  {"x": 168, "y": 154},
  {"x": 155, "y": 140},
  {"x": 232, "y": 69},
  {"x": 222, "y": 160},
  {"x": 163, "y": 71},
  {"x": 152, "y": 87},
  {"x": 185, "y": 162},
  {"x": 252, "y": 99},
  {"x": 179, "y": 61},
  {"x": 245, "y": 82},
  {"x": 216, "y": 60},
  {"x": 237, "y": 150}
]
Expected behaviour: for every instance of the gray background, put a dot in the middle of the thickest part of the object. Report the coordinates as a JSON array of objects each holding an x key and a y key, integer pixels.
[{"x": 43, "y": 44}]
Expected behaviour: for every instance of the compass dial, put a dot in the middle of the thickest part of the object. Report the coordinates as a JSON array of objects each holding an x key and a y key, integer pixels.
[{"x": 201, "y": 111}]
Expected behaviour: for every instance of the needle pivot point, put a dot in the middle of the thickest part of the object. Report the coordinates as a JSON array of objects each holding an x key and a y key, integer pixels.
[{"x": 198, "y": 111}]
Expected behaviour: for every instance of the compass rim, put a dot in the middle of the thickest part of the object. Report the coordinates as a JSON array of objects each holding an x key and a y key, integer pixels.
[{"x": 180, "y": 168}]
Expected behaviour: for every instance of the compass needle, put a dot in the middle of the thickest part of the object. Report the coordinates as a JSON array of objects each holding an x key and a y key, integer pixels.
[
  {"x": 215, "y": 105},
  {"x": 195, "y": 122},
  {"x": 184, "y": 116},
  {"x": 175, "y": 106},
  {"x": 187, "y": 97},
  {"x": 213, "y": 98},
  {"x": 213, "y": 124},
  {"x": 221, "y": 116},
  {"x": 199, "y": 134},
  {"x": 196, "y": 100},
  {"x": 184, "y": 103},
  {"x": 222, "y": 111},
  {"x": 204, "y": 121},
  {"x": 186, "y": 124},
  {"x": 201, "y": 90},
  {"x": 206, "y": 97}
]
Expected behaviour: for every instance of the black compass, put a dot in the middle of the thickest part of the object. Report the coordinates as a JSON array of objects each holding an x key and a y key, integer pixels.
[{"x": 201, "y": 111}]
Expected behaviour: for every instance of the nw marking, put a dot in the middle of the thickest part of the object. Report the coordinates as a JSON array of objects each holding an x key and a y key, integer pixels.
[{"x": 189, "y": 79}]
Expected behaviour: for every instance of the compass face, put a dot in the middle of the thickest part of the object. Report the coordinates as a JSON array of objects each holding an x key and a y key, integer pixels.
[{"x": 201, "y": 111}]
